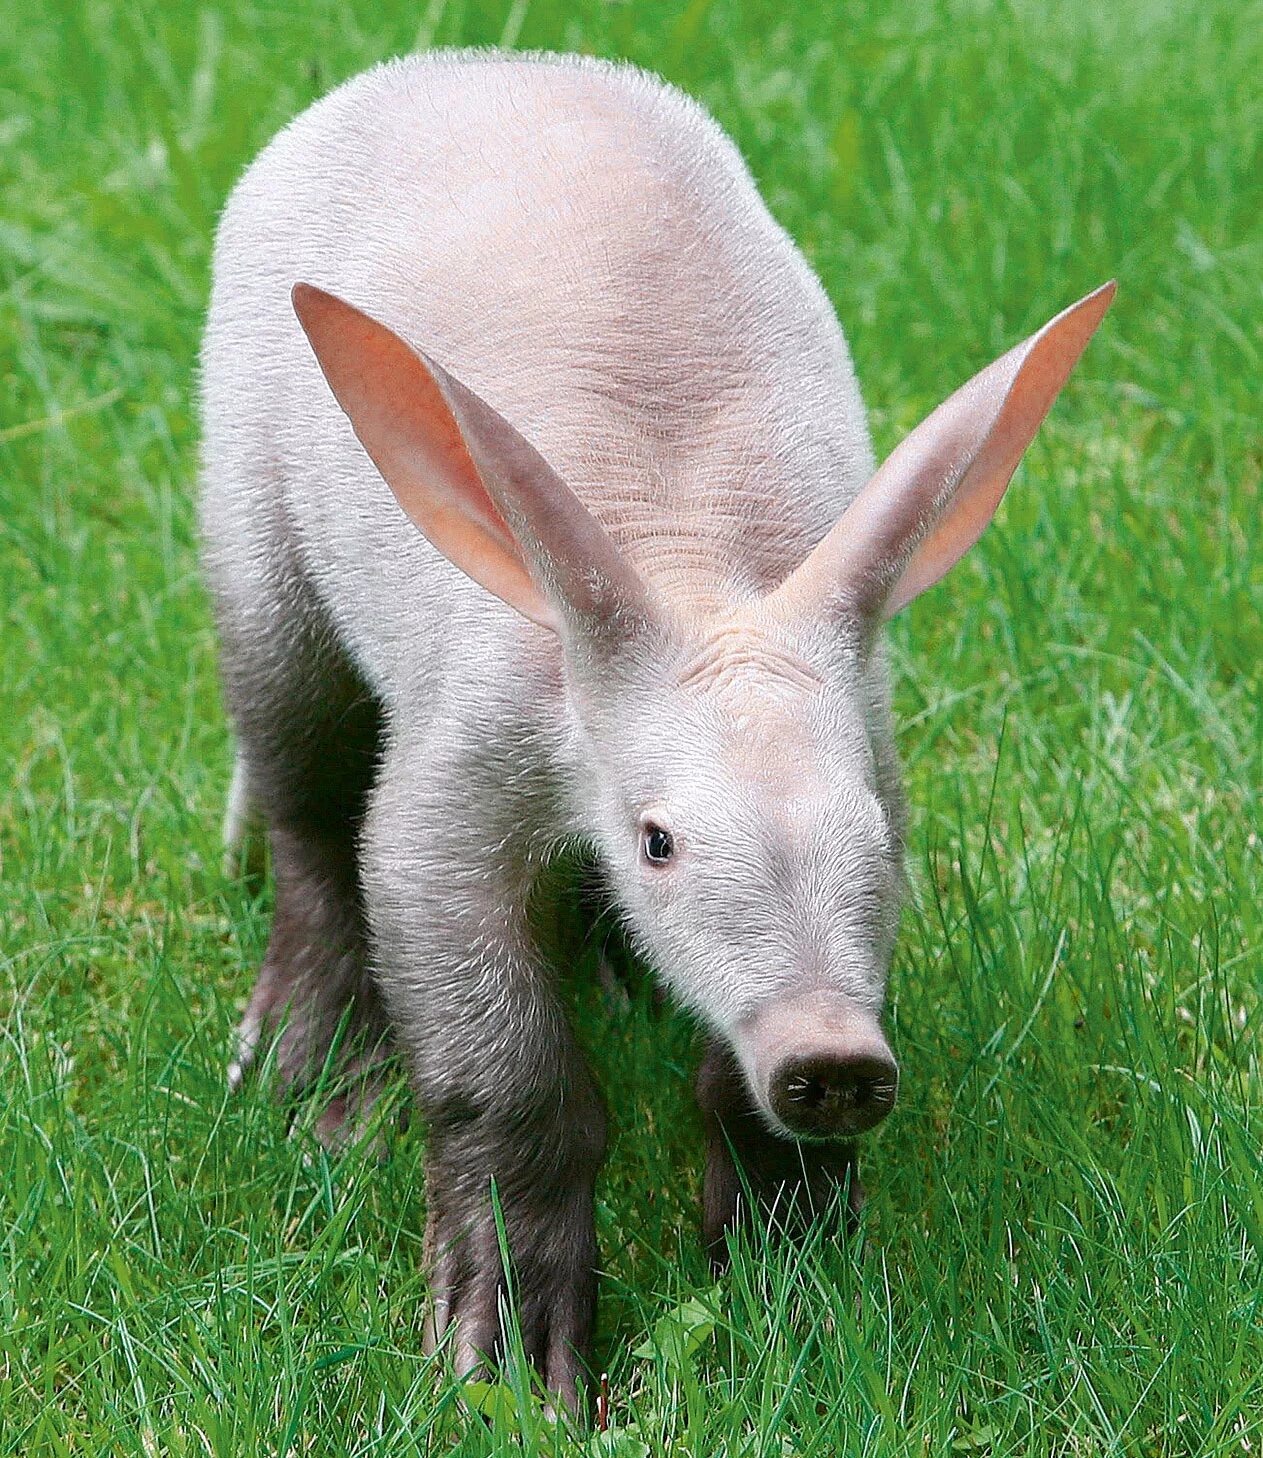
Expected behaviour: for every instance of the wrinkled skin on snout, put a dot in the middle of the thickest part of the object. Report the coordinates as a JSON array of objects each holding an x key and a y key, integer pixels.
[{"x": 625, "y": 415}]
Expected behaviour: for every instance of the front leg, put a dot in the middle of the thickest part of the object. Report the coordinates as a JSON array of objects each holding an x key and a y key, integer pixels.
[
  {"x": 790, "y": 1182},
  {"x": 504, "y": 1091}
]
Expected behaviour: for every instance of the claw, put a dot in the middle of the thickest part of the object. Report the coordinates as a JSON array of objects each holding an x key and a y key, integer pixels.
[{"x": 248, "y": 1035}]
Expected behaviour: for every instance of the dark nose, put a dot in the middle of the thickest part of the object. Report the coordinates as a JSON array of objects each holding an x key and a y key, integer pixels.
[
  {"x": 818, "y": 1064},
  {"x": 834, "y": 1095}
]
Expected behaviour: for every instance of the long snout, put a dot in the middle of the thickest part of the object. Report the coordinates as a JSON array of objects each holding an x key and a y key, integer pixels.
[{"x": 819, "y": 1065}]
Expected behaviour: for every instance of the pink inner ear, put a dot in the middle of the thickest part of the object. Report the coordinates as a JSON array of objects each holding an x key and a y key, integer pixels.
[{"x": 405, "y": 424}]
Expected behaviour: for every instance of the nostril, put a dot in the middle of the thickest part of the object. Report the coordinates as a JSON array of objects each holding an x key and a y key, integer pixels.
[
  {"x": 810, "y": 1093},
  {"x": 830, "y": 1096}
]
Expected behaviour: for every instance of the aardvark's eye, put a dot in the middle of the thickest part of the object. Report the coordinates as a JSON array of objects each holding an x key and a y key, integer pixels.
[{"x": 656, "y": 844}]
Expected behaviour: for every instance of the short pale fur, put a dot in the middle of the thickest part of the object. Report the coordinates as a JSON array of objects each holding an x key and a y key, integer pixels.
[{"x": 606, "y": 386}]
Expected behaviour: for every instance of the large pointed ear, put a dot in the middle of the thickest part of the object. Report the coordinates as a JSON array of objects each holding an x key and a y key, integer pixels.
[
  {"x": 929, "y": 501},
  {"x": 480, "y": 492}
]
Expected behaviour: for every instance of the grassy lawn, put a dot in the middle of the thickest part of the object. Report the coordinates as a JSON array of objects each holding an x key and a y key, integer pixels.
[{"x": 1063, "y": 1248}]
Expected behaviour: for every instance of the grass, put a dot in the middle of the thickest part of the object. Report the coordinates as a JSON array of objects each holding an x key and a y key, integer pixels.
[{"x": 1062, "y": 1252}]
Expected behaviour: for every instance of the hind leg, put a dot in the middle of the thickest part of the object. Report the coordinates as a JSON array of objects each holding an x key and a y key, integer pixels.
[
  {"x": 312, "y": 998},
  {"x": 308, "y": 737}
]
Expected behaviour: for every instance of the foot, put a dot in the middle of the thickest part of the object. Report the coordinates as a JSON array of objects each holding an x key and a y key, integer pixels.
[
  {"x": 337, "y": 1054},
  {"x": 551, "y": 1239}
]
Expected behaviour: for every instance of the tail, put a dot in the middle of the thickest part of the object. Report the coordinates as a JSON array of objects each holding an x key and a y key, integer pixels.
[{"x": 238, "y": 817}]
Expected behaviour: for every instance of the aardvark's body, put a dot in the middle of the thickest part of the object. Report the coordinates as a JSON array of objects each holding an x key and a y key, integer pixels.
[{"x": 611, "y": 392}]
